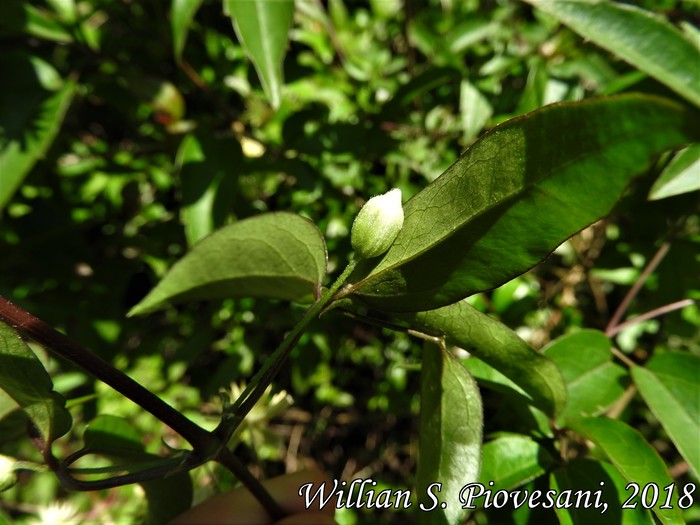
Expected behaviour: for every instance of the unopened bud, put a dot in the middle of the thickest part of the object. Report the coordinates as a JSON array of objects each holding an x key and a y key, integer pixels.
[{"x": 377, "y": 225}]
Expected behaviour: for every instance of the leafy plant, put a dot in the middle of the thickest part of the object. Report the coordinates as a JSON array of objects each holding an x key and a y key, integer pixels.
[{"x": 421, "y": 268}]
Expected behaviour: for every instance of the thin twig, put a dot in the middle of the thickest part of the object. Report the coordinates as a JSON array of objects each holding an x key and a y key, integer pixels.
[
  {"x": 256, "y": 388},
  {"x": 69, "y": 481},
  {"x": 231, "y": 462},
  {"x": 54, "y": 341},
  {"x": 194, "y": 76},
  {"x": 678, "y": 469},
  {"x": 622, "y": 357},
  {"x": 620, "y": 405},
  {"x": 632, "y": 293},
  {"x": 656, "y": 312},
  {"x": 203, "y": 442}
]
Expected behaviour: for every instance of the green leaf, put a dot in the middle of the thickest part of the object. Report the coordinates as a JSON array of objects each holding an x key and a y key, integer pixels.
[
  {"x": 593, "y": 381},
  {"x": 682, "y": 175},
  {"x": 474, "y": 108},
  {"x": 633, "y": 457},
  {"x": 494, "y": 343},
  {"x": 641, "y": 38},
  {"x": 449, "y": 443},
  {"x": 20, "y": 17},
  {"x": 416, "y": 87},
  {"x": 262, "y": 28},
  {"x": 116, "y": 438},
  {"x": 66, "y": 10},
  {"x": 7, "y": 404},
  {"x": 181, "y": 15},
  {"x": 603, "y": 492},
  {"x": 206, "y": 165},
  {"x": 669, "y": 385},
  {"x": 489, "y": 377},
  {"x": 511, "y": 461},
  {"x": 39, "y": 100},
  {"x": 112, "y": 433},
  {"x": 23, "y": 378},
  {"x": 516, "y": 194},
  {"x": 273, "y": 255}
]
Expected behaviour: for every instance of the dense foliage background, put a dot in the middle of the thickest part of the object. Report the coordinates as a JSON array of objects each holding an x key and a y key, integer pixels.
[{"x": 154, "y": 153}]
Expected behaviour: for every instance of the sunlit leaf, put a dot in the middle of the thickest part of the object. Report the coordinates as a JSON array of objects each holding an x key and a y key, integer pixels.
[
  {"x": 669, "y": 385},
  {"x": 489, "y": 377},
  {"x": 181, "y": 16},
  {"x": 262, "y": 27},
  {"x": 20, "y": 17},
  {"x": 516, "y": 194},
  {"x": 207, "y": 169},
  {"x": 475, "y": 109},
  {"x": 274, "y": 255},
  {"x": 593, "y": 381},
  {"x": 24, "y": 379},
  {"x": 511, "y": 461},
  {"x": 636, "y": 35},
  {"x": 493, "y": 342},
  {"x": 39, "y": 100},
  {"x": 449, "y": 446},
  {"x": 7, "y": 404},
  {"x": 67, "y": 10},
  {"x": 682, "y": 175},
  {"x": 633, "y": 457}
]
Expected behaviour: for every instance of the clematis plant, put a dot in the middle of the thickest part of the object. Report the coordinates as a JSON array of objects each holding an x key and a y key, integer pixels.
[{"x": 505, "y": 205}]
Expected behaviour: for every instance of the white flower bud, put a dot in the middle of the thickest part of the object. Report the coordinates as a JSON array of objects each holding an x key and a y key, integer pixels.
[{"x": 377, "y": 225}]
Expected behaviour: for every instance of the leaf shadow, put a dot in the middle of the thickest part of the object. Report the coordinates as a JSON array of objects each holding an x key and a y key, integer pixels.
[{"x": 23, "y": 101}]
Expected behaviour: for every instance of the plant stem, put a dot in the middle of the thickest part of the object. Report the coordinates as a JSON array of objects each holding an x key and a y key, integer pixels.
[
  {"x": 274, "y": 363},
  {"x": 632, "y": 293},
  {"x": 25, "y": 323},
  {"x": 231, "y": 462},
  {"x": 622, "y": 357},
  {"x": 159, "y": 470},
  {"x": 203, "y": 442},
  {"x": 620, "y": 405},
  {"x": 656, "y": 312}
]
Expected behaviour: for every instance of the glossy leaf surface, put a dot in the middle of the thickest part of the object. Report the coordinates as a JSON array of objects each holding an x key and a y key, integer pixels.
[
  {"x": 274, "y": 255},
  {"x": 39, "y": 100},
  {"x": 593, "y": 381},
  {"x": 669, "y": 385},
  {"x": 493, "y": 342},
  {"x": 262, "y": 27},
  {"x": 511, "y": 461},
  {"x": 449, "y": 446},
  {"x": 633, "y": 457},
  {"x": 682, "y": 175},
  {"x": 636, "y": 35},
  {"x": 24, "y": 379},
  {"x": 516, "y": 194}
]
